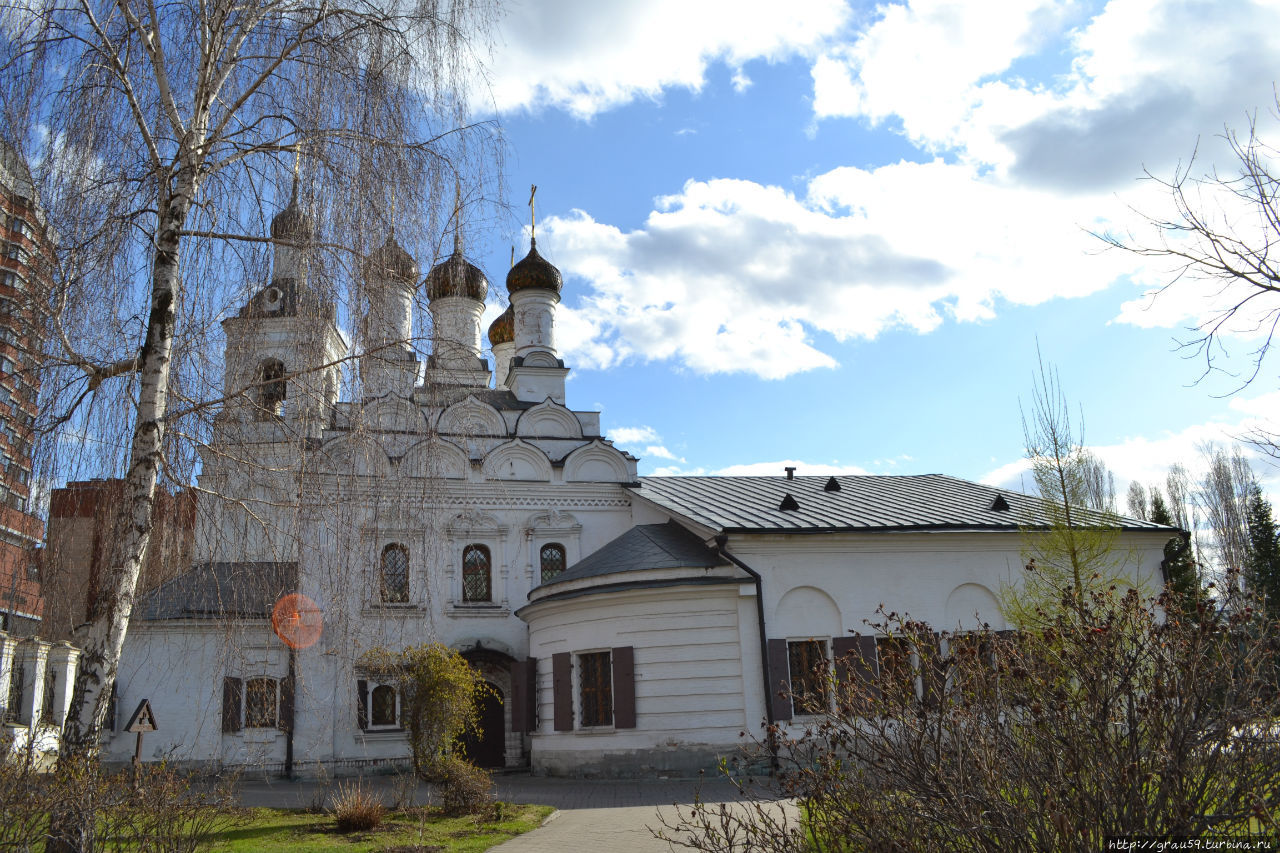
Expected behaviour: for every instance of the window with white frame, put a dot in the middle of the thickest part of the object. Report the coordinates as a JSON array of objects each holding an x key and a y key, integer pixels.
[
  {"x": 384, "y": 707},
  {"x": 378, "y": 706}
]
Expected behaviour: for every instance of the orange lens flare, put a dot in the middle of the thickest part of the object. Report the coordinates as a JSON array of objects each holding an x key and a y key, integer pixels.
[{"x": 297, "y": 621}]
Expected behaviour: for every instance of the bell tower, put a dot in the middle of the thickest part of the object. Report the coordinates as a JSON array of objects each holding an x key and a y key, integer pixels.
[{"x": 283, "y": 346}]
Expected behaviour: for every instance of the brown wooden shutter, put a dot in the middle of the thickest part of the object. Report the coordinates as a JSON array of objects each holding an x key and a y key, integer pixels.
[
  {"x": 624, "y": 688},
  {"x": 779, "y": 681},
  {"x": 362, "y": 704},
  {"x": 856, "y": 659},
  {"x": 232, "y": 704},
  {"x": 287, "y": 693},
  {"x": 524, "y": 695},
  {"x": 933, "y": 671},
  {"x": 562, "y": 691}
]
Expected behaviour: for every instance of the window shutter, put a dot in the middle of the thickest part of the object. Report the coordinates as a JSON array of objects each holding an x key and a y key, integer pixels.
[
  {"x": 562, "y": 691},
  {"x": 232, "y": 703},
  {"x": 933, "y": 671},
  {"x": 524, "y": 696},
  {"x": 779, "y": 681},
  {"x": 855, "y": 658},
  {"x": 362, "y": 704},
  {"x": 856, "y": 662},
  {"x": 287, "y": 693},
  {"x": 624, "y": 688}
]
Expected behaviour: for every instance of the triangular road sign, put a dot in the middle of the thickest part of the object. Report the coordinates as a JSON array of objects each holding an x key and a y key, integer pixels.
[{"x": 143, "y": 719}]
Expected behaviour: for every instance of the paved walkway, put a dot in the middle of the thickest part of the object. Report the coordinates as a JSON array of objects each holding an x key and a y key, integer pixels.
[{"x": 593, "y": 814}]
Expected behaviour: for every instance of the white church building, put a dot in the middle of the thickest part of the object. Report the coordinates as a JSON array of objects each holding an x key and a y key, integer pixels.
[{"x": 628, "y": 625}]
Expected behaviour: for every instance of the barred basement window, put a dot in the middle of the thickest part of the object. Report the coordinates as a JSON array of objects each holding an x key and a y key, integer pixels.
[
  {"x": 395, "y": 574},
  {"x": 552, "y": 559},
  {"x": 261, "y": 703},
  {"x": 477, "y": 574},
  {"x": 807, "y": 663},
  {"x": 595, "y": 688}
]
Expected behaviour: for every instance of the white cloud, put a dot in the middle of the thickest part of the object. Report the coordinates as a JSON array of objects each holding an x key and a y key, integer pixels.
[
  {"x": 1147, "y": 459},
  {"x": 657, "y": 451},
  {"x": 1146, "y": 78},
  {"x": 733, "y": 276},
  {"x": 633, "y": 436},
  {"x": 584, "y": 56},
  {"x": 923, "y": 62}
]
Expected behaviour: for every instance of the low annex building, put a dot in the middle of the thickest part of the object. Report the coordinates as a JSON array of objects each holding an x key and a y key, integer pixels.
[{"x": 627, "y": 625}]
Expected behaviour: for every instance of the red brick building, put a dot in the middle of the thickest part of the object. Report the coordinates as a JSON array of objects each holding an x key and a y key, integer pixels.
[
  {"x": 25, "y": 256},
  {"x": 83, "y": 520}
]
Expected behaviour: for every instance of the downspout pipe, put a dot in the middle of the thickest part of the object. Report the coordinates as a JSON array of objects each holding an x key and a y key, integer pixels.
[{"x": 721, "y": 540}]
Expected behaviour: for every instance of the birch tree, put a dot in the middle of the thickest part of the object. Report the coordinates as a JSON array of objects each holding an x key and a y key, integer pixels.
[{"x": 162, "y": 137}]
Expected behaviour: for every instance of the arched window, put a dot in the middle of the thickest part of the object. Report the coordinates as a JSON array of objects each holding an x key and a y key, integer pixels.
[
  {"x": 551, "y": 558},
  {"x": 382, "y": 706},
  {"x": 395, "y": 574},
  {"x": 271, "y": 388},
  {"x": 477, "y": 575}
]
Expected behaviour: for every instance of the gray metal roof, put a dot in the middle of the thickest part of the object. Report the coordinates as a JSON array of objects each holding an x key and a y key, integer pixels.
[
  {"x": 212, "y": 590},
  {"x": 870, "y": 502},
  {"x": 645, "y": 546}
]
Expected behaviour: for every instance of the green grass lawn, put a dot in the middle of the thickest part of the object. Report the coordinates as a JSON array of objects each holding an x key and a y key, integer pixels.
[{"x": 415, "y": 831}]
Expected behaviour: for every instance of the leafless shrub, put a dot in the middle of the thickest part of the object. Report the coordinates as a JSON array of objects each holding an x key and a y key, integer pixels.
[
  {"x": 158, "y": 811},
  {"x": 356, "y": 808},
  {"x": 465, "y": 788},
  {"x": 1114, "y": 721}
]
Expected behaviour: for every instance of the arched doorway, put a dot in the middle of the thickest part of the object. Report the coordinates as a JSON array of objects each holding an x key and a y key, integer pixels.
[{"x": 488, "y": 746}]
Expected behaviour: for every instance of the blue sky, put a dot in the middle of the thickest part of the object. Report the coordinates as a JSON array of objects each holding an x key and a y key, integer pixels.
[{"x": 831, "y": 235}]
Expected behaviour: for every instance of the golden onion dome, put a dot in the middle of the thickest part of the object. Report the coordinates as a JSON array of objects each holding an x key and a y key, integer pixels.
[
  {"x": 503, "y": 329},
  {"x": 456, "y": 276},
  {"x": 391, "y": 261},
  {"x": 292, "y": 223},
  {"x": 534, "y": 272}
]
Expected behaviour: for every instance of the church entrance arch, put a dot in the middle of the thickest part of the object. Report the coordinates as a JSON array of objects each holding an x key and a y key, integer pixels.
[{"x": 487, "y": 747}]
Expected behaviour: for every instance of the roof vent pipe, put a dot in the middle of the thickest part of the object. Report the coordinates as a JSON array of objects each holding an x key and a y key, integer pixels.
[{"x": 791, "y": 472}]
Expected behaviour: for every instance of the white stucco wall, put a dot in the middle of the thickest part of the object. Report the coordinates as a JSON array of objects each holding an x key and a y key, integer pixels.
[
  {"x": 699, "y": 682},
  {"x": 693, "y": 652}
]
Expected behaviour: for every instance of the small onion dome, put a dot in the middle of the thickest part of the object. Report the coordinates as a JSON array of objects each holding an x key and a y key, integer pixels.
[
  {"x": 456, "y": 276},
  {"x": 391, "y": 261},
  {"x": 503, "y": 329},
  {"x": 534, "y": 272},
  {"x": 292, "y": 224}
]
